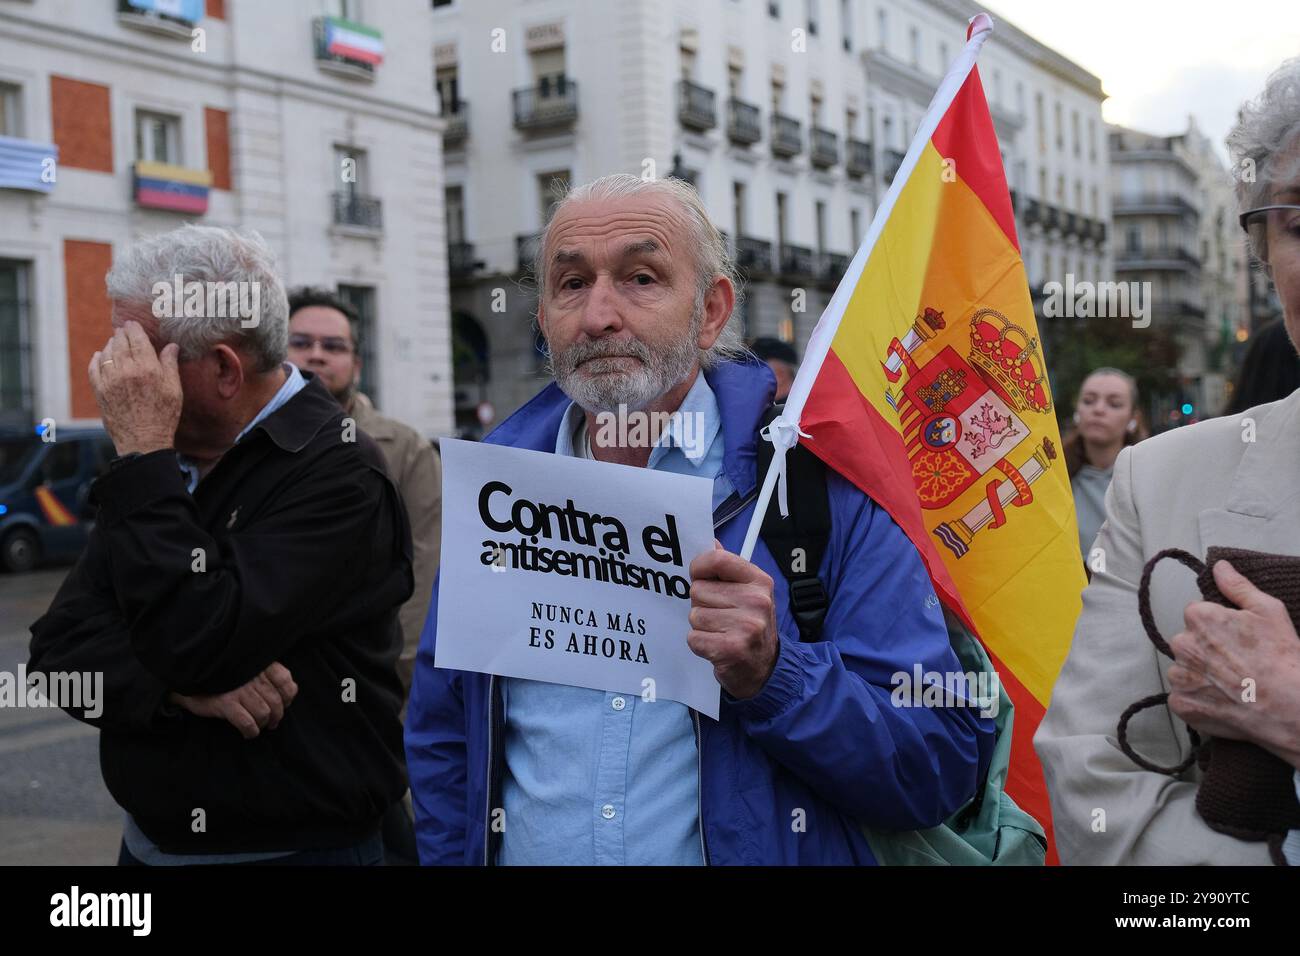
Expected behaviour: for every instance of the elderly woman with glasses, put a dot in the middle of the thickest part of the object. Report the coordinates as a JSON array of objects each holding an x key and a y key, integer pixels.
[{"x": 1232, "y": 671}]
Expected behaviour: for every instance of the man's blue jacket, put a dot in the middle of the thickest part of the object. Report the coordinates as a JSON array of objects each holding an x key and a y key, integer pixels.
[{"x": 784, "y": 775}]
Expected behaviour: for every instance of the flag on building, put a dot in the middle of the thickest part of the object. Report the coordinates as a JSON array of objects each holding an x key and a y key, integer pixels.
[
  {"x": 924, "y": 384},
  {"x": 166, "y": 186},
  {"x": 353, "y": 41}
]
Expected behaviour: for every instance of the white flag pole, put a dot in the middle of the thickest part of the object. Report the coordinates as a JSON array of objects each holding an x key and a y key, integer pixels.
[{"x": 784, "y": 431}]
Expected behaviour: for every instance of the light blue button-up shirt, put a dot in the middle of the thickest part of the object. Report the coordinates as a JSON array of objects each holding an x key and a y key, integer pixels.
[
  {"x": 141, "y": 847},
  {"x": 602, "y": 778}
]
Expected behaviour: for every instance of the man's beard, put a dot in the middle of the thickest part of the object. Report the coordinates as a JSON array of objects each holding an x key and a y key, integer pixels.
[{"x": 601, "y": 386}]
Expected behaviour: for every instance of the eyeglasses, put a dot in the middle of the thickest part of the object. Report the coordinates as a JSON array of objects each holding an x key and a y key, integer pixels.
[
  {"x": 333, "y": 344},
  {"x": 1278, "y": 224}
]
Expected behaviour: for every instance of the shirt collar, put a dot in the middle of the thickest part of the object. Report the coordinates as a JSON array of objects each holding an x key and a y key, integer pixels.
[{"x": 700, "y": 405}]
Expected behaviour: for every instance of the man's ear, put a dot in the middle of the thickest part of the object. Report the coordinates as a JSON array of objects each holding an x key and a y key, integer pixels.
[
  {"x": 230, "y": 371},
  {"x": 718, "y": 303},
  {"x": 541, "y": 317}
]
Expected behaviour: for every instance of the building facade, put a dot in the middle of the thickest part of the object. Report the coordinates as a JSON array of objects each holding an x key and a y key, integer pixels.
[
  {"x": 790, "y": 116},
  {"x": 312, "y": 122},
  {"x": 1176, "y": 229}
]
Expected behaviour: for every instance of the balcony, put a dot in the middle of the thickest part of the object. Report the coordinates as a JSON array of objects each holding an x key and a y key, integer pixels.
[
  {"x": 1033, "y": 212},
  {"x": 550, "y": 105},
  {"x": 355, "y": 211},
  {"x": 831, "y": 267},
  {"x": 1099, "y": 231},
  {"x": 1156, "y": 258},
  {"x": 526, "y": 250},
  {"x": 753, "y": 255},
  {"x": 825, "y": 148},
  {"x": 457, "y": 130},
  {"x": 797, "y": 261},
  {"x": 858, "y": 156},
  {"x": 177, "y": 23},
  {"x": 892, "y": 159},
  {"x": 347, "y": 48},
  {"x": 1070, "y": 224},
  {"x": 786, "y": 139},
  {"x": 695, "y": 106},
  {"x": 461, "y": 263},
  {"x": 28, "y": 165},
  {"x": 1154, "y": 204},
  {"x": 744, "y": 125},
  {"x": 1052, "y": 218}
]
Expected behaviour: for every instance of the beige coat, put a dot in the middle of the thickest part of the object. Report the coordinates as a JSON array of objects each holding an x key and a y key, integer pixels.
[
  {"x": 416, "y": 470},
  {"x": 1214, "y": 483}
]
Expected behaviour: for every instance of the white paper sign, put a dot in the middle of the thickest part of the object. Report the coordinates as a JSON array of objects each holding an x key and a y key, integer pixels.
[{"x": 571, "y": 571}]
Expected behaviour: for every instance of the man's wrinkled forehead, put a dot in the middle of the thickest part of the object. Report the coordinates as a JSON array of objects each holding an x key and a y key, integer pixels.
[{"x": 632, "y": 227}]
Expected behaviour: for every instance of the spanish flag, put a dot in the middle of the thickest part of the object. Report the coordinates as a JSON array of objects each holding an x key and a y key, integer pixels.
[{"x": 924, "y": 384}]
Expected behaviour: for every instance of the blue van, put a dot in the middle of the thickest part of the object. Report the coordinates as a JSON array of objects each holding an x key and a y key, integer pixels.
[{"x": 44, "y": 487}]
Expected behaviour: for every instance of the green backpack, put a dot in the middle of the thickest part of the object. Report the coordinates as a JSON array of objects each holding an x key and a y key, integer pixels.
[{"x": 990, "y": 830}]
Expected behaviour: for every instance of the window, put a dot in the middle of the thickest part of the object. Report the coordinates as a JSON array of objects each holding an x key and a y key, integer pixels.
[
  {"x": 362, "y": 298},
  {"x": 738, "y": 207},
  {"x": 350, "y": 170},
  {"x": 734, "y": 74},
  {"x": 548, "y": 72},
  {"x": 447, "y": 83},
  {"x": 820, "y": 214},
  {"x": 1060, "y": 128},
  {"x": 914, "y": 41},
  {"x": 1075, "y": 142},
  {"x": 1092, "y": 201},
  {"x": 811, "y": 9},
  {"x": 882, "y": 29},
  {"x": 1042, "y": 125},
  {"x": 1132, "y": 239},
  {"x": 855, "y": 229},
  {"x": 846, "y": 22},
  {"x": 1078, "y": 197},
  {"x": 1020, "y": 98},
  {"x": 1092, "y": 140},
  {"x": 15, "y": 343},
  {"x": 157, "y": 137},
  {"x": 780, "y": 218},
  {"x": 11, "y": 119},
  {"x": 454, "y": 204},
  {"x": 774, "y": 10},
  {"x": 61, "y": 462},
  {"x": 850, "y": 123}
]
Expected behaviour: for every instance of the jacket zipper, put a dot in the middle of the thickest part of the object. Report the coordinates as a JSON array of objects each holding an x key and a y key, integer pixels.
[{"x": 741, "y": 505}]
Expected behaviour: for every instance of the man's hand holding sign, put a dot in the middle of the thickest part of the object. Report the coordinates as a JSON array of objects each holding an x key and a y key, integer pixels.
[{"x": 733, "y": 621}]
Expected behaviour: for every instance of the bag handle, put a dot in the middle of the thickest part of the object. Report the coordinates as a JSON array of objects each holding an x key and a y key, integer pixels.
[{"x": 1194, "y": 563}]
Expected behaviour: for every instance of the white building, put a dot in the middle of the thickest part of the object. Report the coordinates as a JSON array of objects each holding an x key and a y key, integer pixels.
[
  {"x": 242, "y": 113},
  {"x": 791, "y": 116},
  {"x": 1176, "y": 228}
]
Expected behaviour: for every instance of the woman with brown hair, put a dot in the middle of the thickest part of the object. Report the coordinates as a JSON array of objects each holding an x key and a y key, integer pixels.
[{"x": 1105, "y": 420}]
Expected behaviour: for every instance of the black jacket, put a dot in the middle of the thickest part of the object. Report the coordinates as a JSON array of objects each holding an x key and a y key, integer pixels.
[{"x": 306, "y": 559}]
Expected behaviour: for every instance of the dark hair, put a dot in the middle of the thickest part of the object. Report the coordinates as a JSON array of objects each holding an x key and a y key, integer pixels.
[
  {"x": 1270, "y": 370},
  {"x": 770, "y": 349},
  {"x": 305, "y": 297},
  {"x": 1076, "y": 453}
]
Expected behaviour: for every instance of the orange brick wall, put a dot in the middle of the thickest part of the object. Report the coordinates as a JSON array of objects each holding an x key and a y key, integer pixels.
[
  {"x": 89, "y": 316},
  {"x": 218, "y": 133},
  {"x": 83, "y": 124},
  {"x": 216, "y": 9}
]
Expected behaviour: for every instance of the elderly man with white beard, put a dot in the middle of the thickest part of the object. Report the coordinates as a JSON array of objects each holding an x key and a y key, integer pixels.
[{"x": 635, "y": 295}]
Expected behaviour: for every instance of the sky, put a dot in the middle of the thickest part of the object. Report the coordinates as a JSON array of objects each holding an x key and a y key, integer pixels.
[{"x": 1163, "y": 60}]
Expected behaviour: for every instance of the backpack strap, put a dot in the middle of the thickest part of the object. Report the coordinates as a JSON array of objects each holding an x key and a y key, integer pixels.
[{"x": 799, "y": 541}]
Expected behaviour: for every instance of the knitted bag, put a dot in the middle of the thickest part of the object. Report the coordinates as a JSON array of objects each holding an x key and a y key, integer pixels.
[{"x": 1246, "y": 791}]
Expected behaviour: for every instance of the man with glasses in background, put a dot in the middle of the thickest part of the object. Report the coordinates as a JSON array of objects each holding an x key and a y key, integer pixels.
[{"x": 323, "y": 340}]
